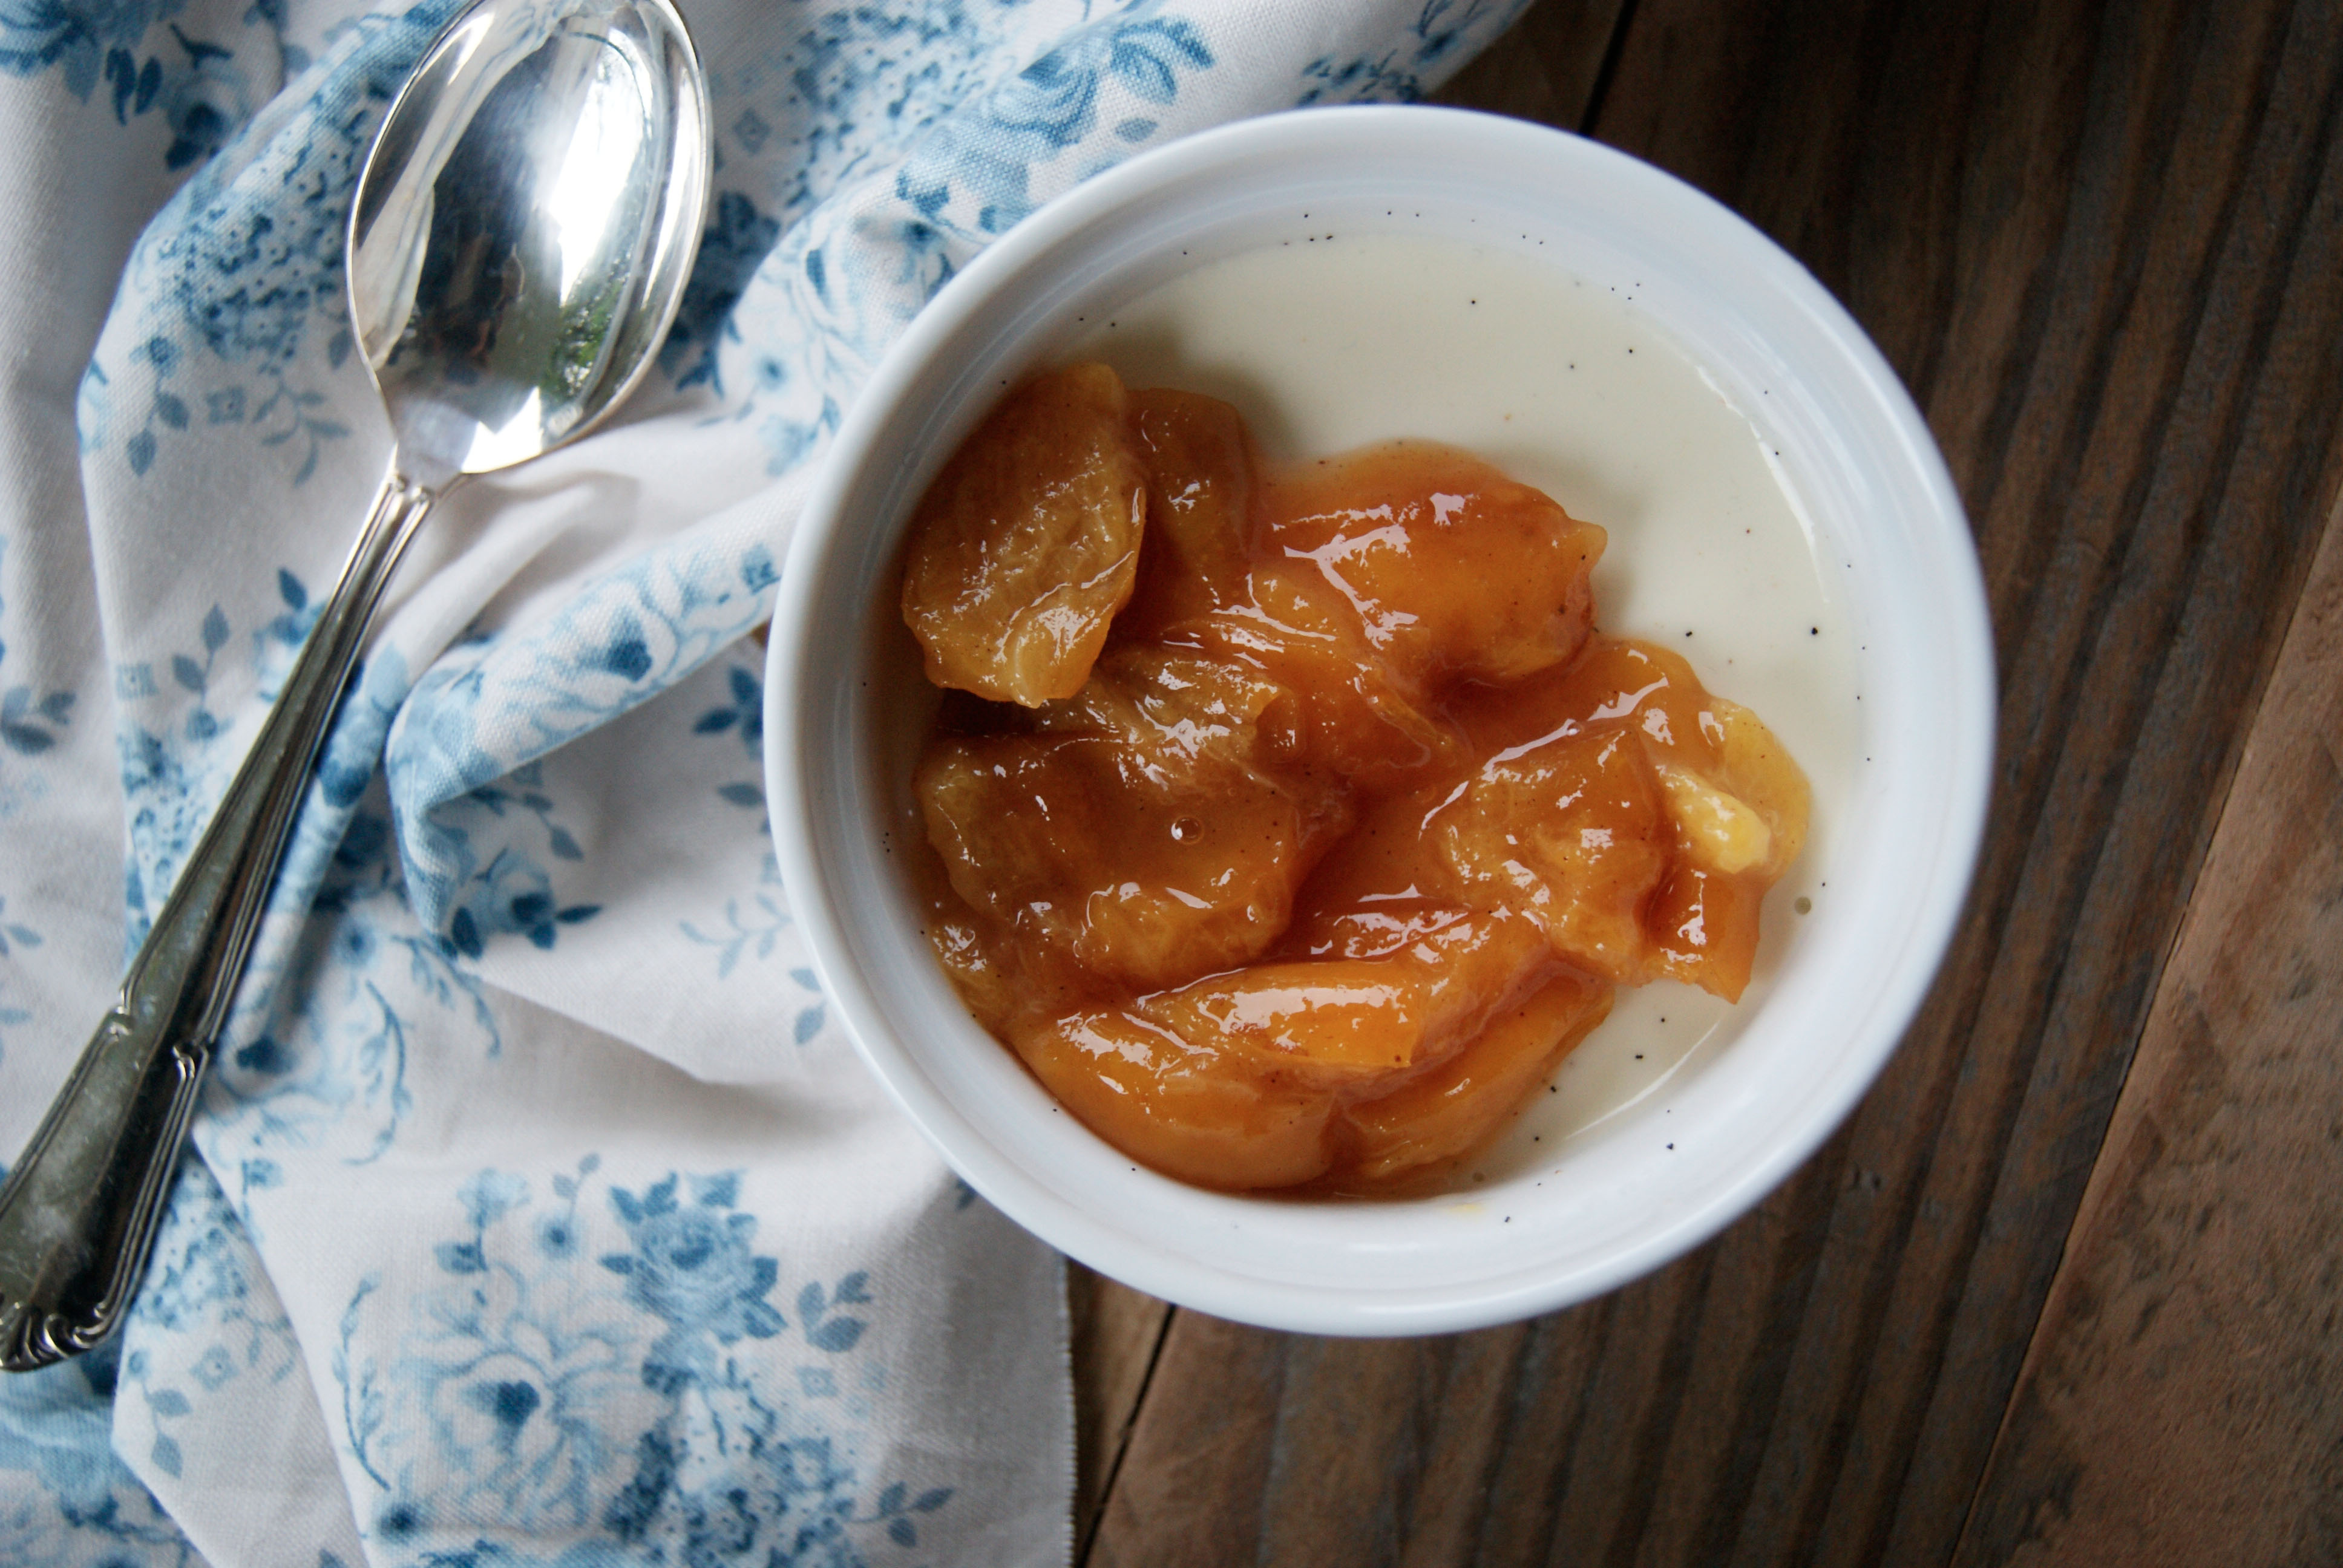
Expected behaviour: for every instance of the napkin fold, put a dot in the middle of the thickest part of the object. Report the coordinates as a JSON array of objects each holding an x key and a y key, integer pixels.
[{"x": 537, "y": 1213}]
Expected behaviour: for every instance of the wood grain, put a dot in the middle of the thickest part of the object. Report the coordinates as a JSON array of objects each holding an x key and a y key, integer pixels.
[
  {"x": 1115, "y": 1332},
  {"x": 2104, "y": 245},
  {"x": 1189, "y": 1490},
  {"x": 2125, "y": 201},
  {"x": 2182, "y": 1400}
]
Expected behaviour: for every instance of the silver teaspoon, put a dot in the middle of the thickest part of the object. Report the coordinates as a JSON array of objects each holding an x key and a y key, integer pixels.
[{"x": 517, "y": 247}]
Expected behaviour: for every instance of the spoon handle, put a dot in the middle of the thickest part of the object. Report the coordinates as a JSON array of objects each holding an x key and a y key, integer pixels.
[{"x": 79, "y": 1212}]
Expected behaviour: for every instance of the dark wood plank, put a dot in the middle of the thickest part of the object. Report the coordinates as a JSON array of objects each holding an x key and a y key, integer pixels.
[
  {"x": 2183, "y": 1398},
  {"x": 1345, "y": 1478},
  {"x": 2127, "y": 202},
  {"x": 1115, "y": 1332},
  {"x": 2199, "y": 486},
  {"x": 2143, "y": 527},
  {"x": 1189, "y": 1492},
  {"x": 1451, "y": 1503},
  {"x": 2102, "y": 245},
  {"x": 1486, "y": 1448}
]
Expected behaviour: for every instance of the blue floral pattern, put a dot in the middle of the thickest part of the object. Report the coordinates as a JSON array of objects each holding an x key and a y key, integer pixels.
[
  {"x": 511, "y": 892},
  {"x": 199, "y": 1284},
  {"x": 321, "y": 1055},
  {"x": 1444, "y": 34},
  {"x": 200, "y": 88},
  {"x": 173, "y": 769},
  {"x": 634, "y": 633},
  {"x": 14, "y": 936},
  {"x": 974, "y": 176},
  {"x": 814, "y": 326},
  {"x": 65, "y": 1502},
  {"x": 796, "y": 122},
  {"x": 32, "y": 721},
  {"x": 504, "y": 1407},
  {"x": 30, "y": 725},
  {"x": 246, "y": 264},
  {"x": 744, "y": 715},
  {"x": 754, "y": 929}
]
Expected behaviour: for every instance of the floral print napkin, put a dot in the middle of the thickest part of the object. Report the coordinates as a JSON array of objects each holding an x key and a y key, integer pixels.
[{"x": 537, "y": 1211}]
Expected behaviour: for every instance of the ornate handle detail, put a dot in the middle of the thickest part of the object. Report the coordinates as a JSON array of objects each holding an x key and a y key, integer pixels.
[{"x": 78, "y": 1213}]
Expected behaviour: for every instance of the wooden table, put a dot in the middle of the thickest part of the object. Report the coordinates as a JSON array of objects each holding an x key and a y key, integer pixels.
[{"x": 2066, "y": 1287}]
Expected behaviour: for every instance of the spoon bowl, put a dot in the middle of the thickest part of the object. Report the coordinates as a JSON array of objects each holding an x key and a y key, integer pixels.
[
  {"x": 518, "y": 249},
  {"x": 524, "y": 226}
]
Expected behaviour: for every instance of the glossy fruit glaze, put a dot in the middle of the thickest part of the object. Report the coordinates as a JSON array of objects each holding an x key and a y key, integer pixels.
[{"x": 1299, "y": 849}]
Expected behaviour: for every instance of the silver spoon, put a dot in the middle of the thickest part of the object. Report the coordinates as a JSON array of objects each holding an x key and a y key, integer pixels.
[{"x": 519, "y": 246}]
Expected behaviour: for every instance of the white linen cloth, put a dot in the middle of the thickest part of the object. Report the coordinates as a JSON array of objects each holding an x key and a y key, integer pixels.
[{"x": 541, "y": 1214}]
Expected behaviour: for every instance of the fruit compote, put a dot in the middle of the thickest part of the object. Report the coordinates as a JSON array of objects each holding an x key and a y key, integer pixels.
[{"x": 1291, "y": 825}]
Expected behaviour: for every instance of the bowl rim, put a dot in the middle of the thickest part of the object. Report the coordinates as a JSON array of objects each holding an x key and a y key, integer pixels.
[{"x": 1804, "y": 1125}]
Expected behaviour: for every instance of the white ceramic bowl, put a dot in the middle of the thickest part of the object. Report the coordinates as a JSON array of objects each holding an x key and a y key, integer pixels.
[{"x": 844, "y": 704}]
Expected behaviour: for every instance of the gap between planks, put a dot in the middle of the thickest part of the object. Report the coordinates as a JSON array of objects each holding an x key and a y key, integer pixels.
[
  {"x": 2181, "y": 1399},
  {"x": 1117, "y": 1336}
]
